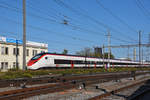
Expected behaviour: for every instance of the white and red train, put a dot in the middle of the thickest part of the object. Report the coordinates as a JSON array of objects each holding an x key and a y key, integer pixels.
[{"x": 51, "y": 60}]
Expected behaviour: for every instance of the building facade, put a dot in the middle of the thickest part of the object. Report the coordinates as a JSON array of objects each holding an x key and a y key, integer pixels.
[
  {"x": 98, "y": 50},
  {"x": 11, "y": 52}
]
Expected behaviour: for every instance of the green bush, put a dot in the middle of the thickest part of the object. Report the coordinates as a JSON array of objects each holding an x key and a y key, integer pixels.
[
  {"x": 11, "y": 74},
  {"x": 28, "y": 75},
  {"x": 7, "y": 77}
]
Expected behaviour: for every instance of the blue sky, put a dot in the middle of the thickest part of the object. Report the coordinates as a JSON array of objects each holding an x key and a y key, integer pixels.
[{"x": 87, "y": 23}]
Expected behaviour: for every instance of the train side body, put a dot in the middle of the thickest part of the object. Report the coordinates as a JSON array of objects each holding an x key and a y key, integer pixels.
[{"x": 49, "y": 60}]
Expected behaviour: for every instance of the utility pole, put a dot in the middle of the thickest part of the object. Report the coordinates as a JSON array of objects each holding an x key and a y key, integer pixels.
[
  {"x": 134, "y": 54},
  {"x": 109, "y": 49},
  {"x": 17, "y": 54},
  {"x": 24, "y": 34},
  {"x": 142, "y": 56},
  {"x": 103, "y": 55},
  {"x": 148, "y": 55},
  {"x": 128, "y": 53},
  {"x": 140, "y": 46},
  {"x": 85, "y": 59},
  {"x": 147, "y": 50}
]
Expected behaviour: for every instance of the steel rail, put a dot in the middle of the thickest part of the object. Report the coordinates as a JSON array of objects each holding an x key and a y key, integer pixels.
[
  {"x": 50, "y": 79},
  {"x": 67, "y": 84}
]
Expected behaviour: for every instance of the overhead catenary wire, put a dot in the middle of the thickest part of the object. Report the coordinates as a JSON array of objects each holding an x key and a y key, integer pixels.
[
  {"x": 62, "y": 4},
  {"x": 70, "y": 23},
  {"x": 69, "y": 36},
  {"x": 45, "y": 39},
  {"x": 78, "y": 27},
  {"x": 140, "y": 2},
  {"x": 115, "y": 16},
  {"x": 90, "y": 31},
  {"x": 142, "y": 8},
  {"x": 13, "y": 35},
  {"x": 77, "y": 20},
  {"x": 47, "y": 30},
  {"x": 53, "y": 18},
  {"x": 46, "y": 12},
  {"x": 16, "y": 9}
]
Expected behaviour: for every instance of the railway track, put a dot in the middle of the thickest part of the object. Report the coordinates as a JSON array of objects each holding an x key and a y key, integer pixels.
[
  {"x": 28, "y": 81},
  {"x": 42, "y": 80},
  {"x": 68, "y": 83},
  {"x": 27, "y": 92},
  {"x": 60, "y": 78}
]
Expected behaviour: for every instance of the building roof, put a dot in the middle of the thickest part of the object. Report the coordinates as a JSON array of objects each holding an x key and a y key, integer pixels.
[{"x": 12, "y": 41}]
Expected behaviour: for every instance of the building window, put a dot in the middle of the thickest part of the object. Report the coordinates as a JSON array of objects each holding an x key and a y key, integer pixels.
[
  {"x": 4, "y": 65},
  {"x": 14, "y": 64},
  {"x": 42, "y": 51},
  {"x": 4, "y": 50},
  {"x": 34, "y": 52},
  {"x": 27, "y": 52},
  {"x": 16, "y": 51}
]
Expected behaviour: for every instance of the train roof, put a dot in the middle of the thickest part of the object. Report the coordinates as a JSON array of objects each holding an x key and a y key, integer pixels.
[
  {"x": 66, "y": 55},
  {"x": 74, "y": 55}
]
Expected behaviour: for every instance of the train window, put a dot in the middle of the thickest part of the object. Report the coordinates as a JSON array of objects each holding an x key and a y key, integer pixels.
[
  {"x": 77, "y": 62},
  {"x": 36, "y": 57},
  {"x": 46, "y": 58},
  {"x": 60, "y": 61},
  {"x": 88, "y": 62}
]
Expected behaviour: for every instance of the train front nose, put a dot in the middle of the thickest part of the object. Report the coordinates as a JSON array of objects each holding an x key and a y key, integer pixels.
[{"x": 31, "y": 62}]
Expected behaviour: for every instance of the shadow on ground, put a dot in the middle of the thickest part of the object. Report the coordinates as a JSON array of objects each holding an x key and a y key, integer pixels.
[{"x": 141, "y": 89}]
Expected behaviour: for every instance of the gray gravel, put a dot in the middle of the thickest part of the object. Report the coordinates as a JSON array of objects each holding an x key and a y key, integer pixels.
[
  {"x": 90, "y": 91},
  {"x": 19, "y": 87},
  {"x": 84, "y": 94},
  {"x": 123, "y": 94}
]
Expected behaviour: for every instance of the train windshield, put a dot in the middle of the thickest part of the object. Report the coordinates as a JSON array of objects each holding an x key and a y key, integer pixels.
[{"x": 37, "y": 56}]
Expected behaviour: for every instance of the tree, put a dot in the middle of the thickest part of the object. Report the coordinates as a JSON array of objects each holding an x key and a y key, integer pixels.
[
  {"x": 106, "y": 55},
  {"x": 85, "y": 52},
  {"x": 55, "y": 52},
  {"x": 98, "y": 55},
  {"x": 89, "y": 52},
  {"x": 65, "y": 51}
]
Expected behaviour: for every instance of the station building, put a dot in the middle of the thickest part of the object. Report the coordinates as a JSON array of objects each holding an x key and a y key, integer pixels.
[{"x": 11, "y": 52}]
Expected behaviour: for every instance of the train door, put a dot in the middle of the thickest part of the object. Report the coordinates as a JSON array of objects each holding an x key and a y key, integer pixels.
[
  {"x": 72, "y": 64},
  {"x": 95, "y": 64}
]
